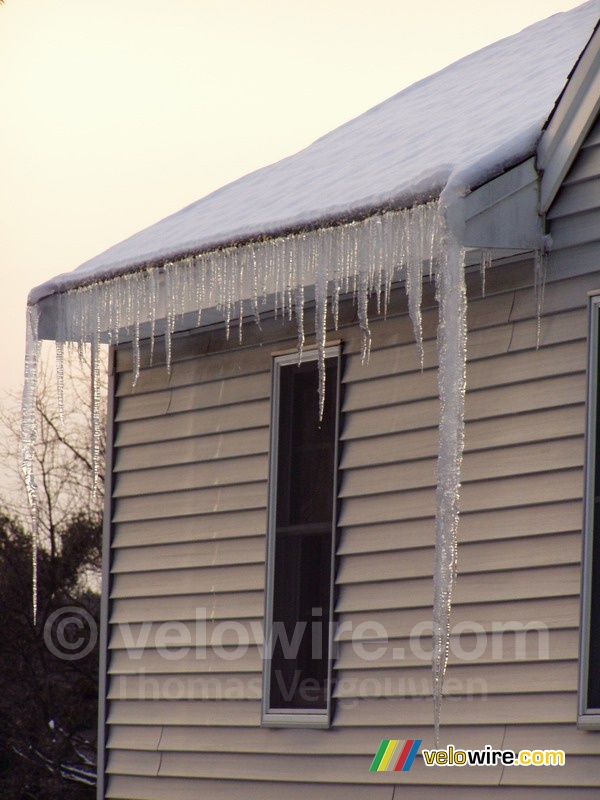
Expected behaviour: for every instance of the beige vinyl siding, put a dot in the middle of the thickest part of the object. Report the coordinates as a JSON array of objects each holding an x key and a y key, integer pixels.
[
  {"x": 189, "y": 511},
  {"x": 574, "y": 217}
]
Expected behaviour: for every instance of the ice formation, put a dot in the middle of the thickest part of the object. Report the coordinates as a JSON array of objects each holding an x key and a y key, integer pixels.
[{"x": 361, "y": 258}]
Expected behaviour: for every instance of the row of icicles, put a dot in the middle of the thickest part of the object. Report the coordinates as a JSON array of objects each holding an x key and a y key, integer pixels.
[{"x": 362, "y": 258}]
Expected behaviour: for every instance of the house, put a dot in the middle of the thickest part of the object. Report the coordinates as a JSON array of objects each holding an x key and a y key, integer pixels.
[{"x": 256, "y": 500}]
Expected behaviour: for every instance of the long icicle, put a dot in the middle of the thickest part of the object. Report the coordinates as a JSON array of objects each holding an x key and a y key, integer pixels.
[
  {"x": 452, "y": 332},
  {"x": 28, "y": 440}
]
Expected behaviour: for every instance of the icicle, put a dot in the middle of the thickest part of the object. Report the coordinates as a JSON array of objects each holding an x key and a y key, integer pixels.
[
  {"x": 329, "y": 262},
  {"x": 539, "y": 282},
  {"x": 95, "y": 400},
  {"x": 363, "y": 316},
  {"x": 321, "y": 332},
  {"x": 169, "y": 301},
  {"x": 486, "y": 263},
  {"x": 136, "y": 337},
  {"x": 28, "y": 439},
  {"x": 299, "y": 314},
  {"x": 152, "y": 300},
  {"x": 414, "y": 278},
  {"x": 60, "y": 380},
  {"x": 451, "y": 295}
]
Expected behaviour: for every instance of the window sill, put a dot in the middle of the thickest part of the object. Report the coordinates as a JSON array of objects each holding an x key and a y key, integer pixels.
[
  {"x": 295, "y": 719},
  {"x": 589, "y": 722}
]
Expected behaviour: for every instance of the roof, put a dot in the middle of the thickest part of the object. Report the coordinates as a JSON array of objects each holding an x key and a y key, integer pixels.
[{"x": 450, "y": 132}]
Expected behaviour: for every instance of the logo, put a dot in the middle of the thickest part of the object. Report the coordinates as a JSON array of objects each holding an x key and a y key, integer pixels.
[{"x": 395, "y": 755}]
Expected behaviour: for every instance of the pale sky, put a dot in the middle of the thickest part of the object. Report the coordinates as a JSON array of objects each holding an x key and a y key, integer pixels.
[{"x": 115, "y": 113}]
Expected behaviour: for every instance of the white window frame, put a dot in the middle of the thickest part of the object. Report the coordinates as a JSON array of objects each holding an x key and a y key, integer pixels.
[
  {"x": 589, "y": 717},
  {"x": 274, "y": 717}
]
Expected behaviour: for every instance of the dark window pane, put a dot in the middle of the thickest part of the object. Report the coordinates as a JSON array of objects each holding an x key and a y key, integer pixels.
[
  {"x": 306, "y": 446},
  {"x": 303, "y": 538}
]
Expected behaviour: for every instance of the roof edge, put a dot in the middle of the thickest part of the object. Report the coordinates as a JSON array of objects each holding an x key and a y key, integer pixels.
[{"x": 570, "y": 122}]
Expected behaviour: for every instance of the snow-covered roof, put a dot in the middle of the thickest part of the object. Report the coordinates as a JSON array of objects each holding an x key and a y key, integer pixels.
[{"x": 453, "y": 131}]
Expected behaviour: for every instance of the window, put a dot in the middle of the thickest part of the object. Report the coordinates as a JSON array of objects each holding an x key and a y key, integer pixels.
[
  {"x": 589, "y": 680},
  {"x": 301, "y": 542}
]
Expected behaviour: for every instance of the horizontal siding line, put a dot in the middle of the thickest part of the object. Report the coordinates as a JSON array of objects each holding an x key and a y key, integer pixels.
[
  {"x": 174, "y": 437},
  {"x": 344, "y": 742},
  {"x": 405, "y": 551},
  {"x": 462, "y": 544},
  {"x": 144, "y": 657},
  {"x": 299, "y": 769},
  {"x": 400, "y": 665},
  {"x": 518, "y": 324},
  {"x": 181, "y": 358},
  {"x": 579, "y": 197},
  {"x": 412, "y": 372},
  {"x": 348, "y": 616},
  {"x": 124, "y": 787},
  {"x": 476, "y": 609},
  {"x": 256, "y": 402},
  {"x": 219, "y": 612},
  {"x": 543, "y": 470},
  {"x": 585, "y": 166},
  {"x": 355, "y": 438},
  {"x": 470, "y": 392},
  {"x": 178, "y": 567},
  {"x": 192, "y": 384},
  {"x": 128, "y": 399},
  {"x": 426, "y": 607},
  {"x": 123, "y": 619},
  {"x": 576, "y": 228},
  {"x": 430, "y": 427},
  {"x": 216, "y": 593},
  {"x": 204, "y": 515},
  {"x": 181, "y": 568},
  {"x": 193, "y": 516},
  {"x": 579, "y": 252},
  {"x": 430, "y": 517},
  {"x": 491, "y": 387},
  {"x": 224, "y": 404},
  {"x": 197, "y": 667},
  {"x": 197, "y": 516},
  {"x": 222, "y": 484},
  {"x": 198, "y": 531},
  {"x": 347, "y": 638},
  {"x": 190, "y": 464},
  {"x": 423, "y": 571},
  {"x": 490, "y": 448},
  {"x": 249, "y": 504},
  {"x": 427, "y": 574},
  {"x": 228, "y": 539},
  {"x": 471, "y": 482},
  {"x": 158, "y": 710},
  {"x": 544, "y": 518},
  {"x": 216, "y": 568}
]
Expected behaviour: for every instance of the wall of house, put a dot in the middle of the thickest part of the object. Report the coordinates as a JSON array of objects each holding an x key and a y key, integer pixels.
[
  {"x": 188, "y": 542},
  {"x": 188, "y": 539}
]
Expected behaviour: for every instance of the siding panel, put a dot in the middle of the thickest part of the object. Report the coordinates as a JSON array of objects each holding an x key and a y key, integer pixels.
[{"x": 189, "y": 538}]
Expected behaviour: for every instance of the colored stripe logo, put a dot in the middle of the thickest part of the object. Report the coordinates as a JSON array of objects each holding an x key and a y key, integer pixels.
[{"x": 395, "y": 755}]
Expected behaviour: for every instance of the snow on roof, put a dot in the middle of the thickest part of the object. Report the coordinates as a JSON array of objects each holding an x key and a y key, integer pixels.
[{"x": 456, "y": 129}]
